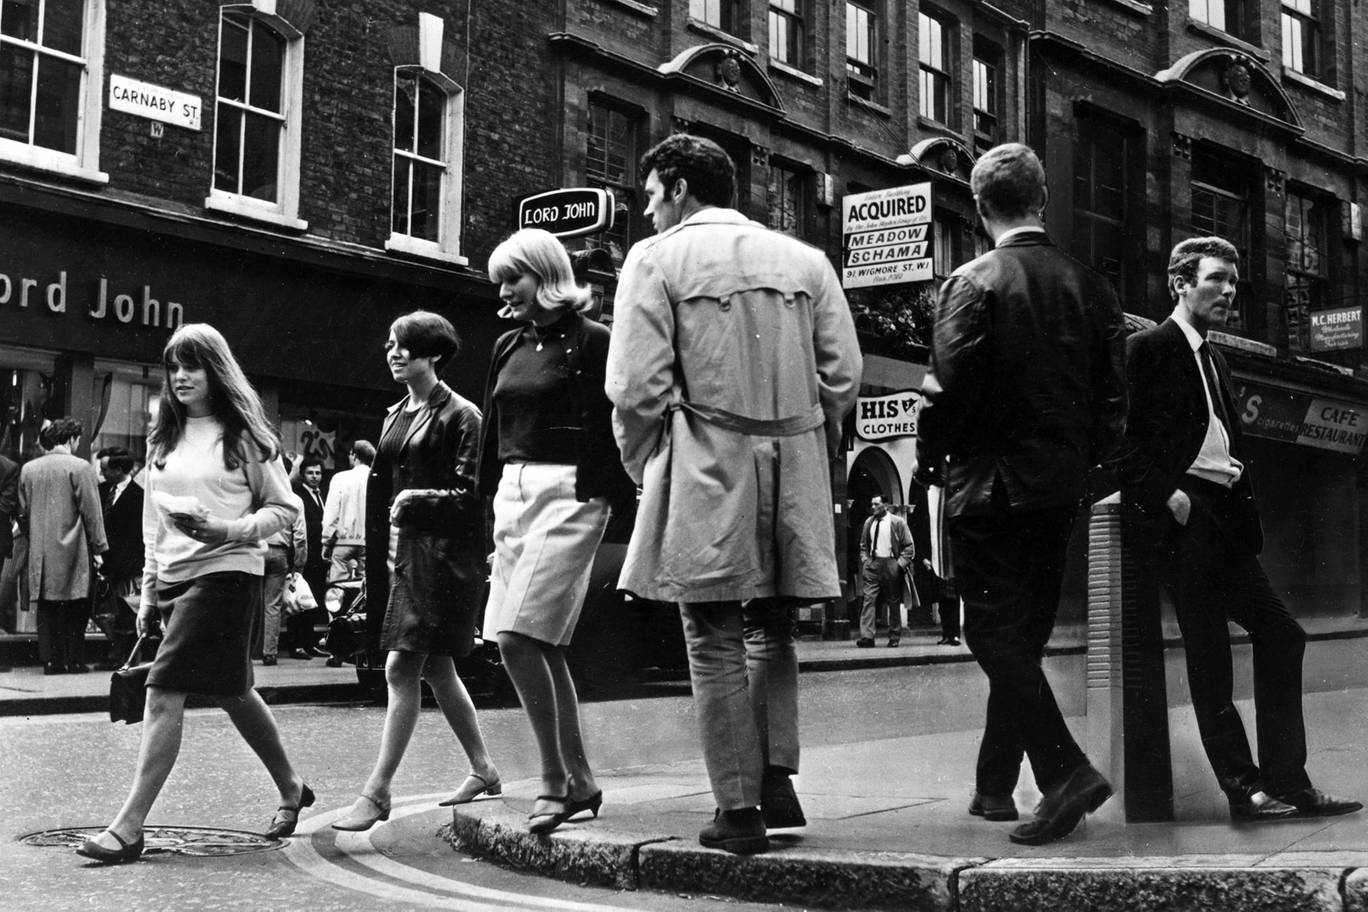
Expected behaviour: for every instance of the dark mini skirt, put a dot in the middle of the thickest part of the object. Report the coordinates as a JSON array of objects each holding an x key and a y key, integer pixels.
[{"x": 207, "y": 634}]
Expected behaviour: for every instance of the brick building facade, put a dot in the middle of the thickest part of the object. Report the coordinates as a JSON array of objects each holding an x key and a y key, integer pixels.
[{"x": 347, "y": 162}]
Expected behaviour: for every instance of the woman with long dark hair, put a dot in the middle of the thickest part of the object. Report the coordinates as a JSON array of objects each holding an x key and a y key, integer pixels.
[
  {"x": 215, "y": 489},
  {"x": 552, "y": 466},
  {"x": 423, "y": 558}
]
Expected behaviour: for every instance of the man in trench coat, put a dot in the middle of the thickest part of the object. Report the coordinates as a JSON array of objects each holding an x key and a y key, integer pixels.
[
  {"x": 732, "y": 363},
  {"x": 59, "y": 505}
]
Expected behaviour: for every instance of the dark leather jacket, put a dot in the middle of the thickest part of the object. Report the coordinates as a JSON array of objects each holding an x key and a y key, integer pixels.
[{"x": 1026, "y": 387}]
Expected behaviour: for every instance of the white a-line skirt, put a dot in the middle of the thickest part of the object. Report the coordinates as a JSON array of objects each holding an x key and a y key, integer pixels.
[{"x": 544, "y": 544}]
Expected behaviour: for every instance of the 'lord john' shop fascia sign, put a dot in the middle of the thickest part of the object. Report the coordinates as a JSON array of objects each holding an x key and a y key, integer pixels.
[{"x": 57, "y": 295}]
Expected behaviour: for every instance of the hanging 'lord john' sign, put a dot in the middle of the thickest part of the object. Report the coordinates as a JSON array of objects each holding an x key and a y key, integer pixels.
[
  {"x": 887, "y": 417},
  {"x": 572, "y": 212},
  {"x": 887, "y": 236}
]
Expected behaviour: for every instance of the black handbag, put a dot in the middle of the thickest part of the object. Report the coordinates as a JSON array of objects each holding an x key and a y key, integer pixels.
[{"x": 128, "y": 688}]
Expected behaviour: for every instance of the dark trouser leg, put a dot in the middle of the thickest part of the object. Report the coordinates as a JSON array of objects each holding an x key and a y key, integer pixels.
[
  {"x": 77, "y": 620},
  {"x": 949, "y": 618},
  {"x": 49, "y": 620},
  {"x": 1202, "y": 591},
  {"x": 1010, "y": 567},
  {"x": 772, "y": 679}
]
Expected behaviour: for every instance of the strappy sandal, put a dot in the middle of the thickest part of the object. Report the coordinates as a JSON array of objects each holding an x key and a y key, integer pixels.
[
  {"x": 546, "y": 821},
  {"x": 474, "y": 786},
  {"x": 287, "y": 818},
  {"x": 357, "y": 821}
]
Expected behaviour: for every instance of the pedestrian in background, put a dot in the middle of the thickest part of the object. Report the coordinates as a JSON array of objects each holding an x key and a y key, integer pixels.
[
  {"x": 886, "y": 553},
  {"x": 285, "y": 550},
  {"x": 549, "y": 460},
  {"x": 344, "y": 517},
  {"x": 732, "y": 364},
  {"x": 424, "y": 555},
  {"x": 300, "y": 627},
  {"x": 1024, "y": 395},
  {"x": 9, "y": 508},
  {"x": 216, "y": 487},
  {"x": 121, "y": 502},
  {"x": 59, "y": 505}
]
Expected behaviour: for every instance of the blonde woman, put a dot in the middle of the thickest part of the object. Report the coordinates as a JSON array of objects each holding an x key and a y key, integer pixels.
[{"x": 549, "y": 460}]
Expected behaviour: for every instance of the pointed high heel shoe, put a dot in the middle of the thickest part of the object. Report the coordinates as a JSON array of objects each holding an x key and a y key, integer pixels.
[
  {"x": 126, "y": 852},
  {"x": 545, "y": 822},
  {"x": 357, "y": 821},
  {"x": 590, "y": 803},
  {"x": 287, "y": 818},
  {"x": 474, "y": 786}
]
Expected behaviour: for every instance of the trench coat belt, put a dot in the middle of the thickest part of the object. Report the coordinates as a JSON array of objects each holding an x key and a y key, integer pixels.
[{"x": 755, "y": 427}]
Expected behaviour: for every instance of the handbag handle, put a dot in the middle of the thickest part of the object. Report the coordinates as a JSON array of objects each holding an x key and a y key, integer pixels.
[{"x": 132, "y": 656}]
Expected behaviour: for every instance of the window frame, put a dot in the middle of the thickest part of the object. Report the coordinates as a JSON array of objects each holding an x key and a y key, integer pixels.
[
  {"x": 863, "y": 71},
  {"x": 1302, "y": 35},
  {"x": 625, "y": 194},
  {"x": 1234, "y": 16},
  {"x": 447, "y": 245},
  {"x": 990, "y": 57},
  {"x": 933, "y": 79},
  {"x": 1314, "y": 211},
  {"x": 731, "y": 16},
  {"x": 798, "y": 179},
  {"x": 284, "y": 211},
  {"x": 1244, "y": 312},
  {"x": 795, "y": 50},
  {"x": 84, "y": 163}
]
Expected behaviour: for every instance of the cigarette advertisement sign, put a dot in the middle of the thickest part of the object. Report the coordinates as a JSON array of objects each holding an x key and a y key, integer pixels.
[
  {"x": 1301, "y": 418},
  {"x": 887, "y": 236},
  {"x": 1337, "y": 329},
  {"x": 887, "y": 417}
]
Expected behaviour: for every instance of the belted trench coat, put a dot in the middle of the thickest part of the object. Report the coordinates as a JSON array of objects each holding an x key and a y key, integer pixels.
[{"x": 732, "y": 363}]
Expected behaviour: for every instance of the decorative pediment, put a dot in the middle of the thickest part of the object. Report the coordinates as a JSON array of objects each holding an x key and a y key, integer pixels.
[
  {"x": 944, "y": 154},
  {"x": 1236, "y": 77},
  {"x": 727, "y": 68}
]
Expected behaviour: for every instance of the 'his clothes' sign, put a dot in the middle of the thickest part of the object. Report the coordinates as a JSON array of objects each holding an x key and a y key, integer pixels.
[{"x": 887, "y": 417}]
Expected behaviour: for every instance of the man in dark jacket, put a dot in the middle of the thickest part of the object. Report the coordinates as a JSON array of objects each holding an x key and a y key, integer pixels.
[
  {"x": 1024, "y": 395},
  {"x": 1182, "y": 469},
  {"x": 121, "y": 500}
]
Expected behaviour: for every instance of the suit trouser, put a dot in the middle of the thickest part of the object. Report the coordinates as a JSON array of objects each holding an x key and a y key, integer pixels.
[
  {"x": 275, "y": 571},
  {"x": 882, "y": 585},
  {"x": 339, "y": 567},
  {"x": 744, "y": 671},
  {"x": 61, "y": 630},
  {"x": 1009, "y": 566},
  {"x": 1215, "y": 577}
]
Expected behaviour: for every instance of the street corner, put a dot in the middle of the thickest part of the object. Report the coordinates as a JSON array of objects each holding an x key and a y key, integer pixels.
[
  {"x": 1131, "y": 884},
  {"x": 580, "y": 852},
  {"x": 809, "y": 877}
]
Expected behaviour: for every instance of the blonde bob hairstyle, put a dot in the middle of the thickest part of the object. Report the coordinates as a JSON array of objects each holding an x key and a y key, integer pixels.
[{"x": 534, "y": 251}]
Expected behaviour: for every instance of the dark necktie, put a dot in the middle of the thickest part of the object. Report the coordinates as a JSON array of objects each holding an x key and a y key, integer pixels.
[
  {"x": 110, "y": 494},
  {"x": 1218, "y": 401}
]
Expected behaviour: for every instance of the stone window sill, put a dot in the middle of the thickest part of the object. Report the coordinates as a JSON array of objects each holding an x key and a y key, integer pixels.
[
  {"x": 1140, "y": 9},
  {"x": 412, "y": 246},
  {"x": 868, "y": 105},
  {"x": 1229, "y": 40},
  {"x": 641, "y": 9},
  {"x": 1312, "y": 83},
  {"x": 714, "y": 32},
  {"x": 794, "y": 73},
  {"x": 247, "y": 208},
  {"x": 47, "y": 160}
]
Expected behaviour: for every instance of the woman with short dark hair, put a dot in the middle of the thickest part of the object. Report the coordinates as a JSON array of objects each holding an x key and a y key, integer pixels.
[{"x": 424, "y": 560}]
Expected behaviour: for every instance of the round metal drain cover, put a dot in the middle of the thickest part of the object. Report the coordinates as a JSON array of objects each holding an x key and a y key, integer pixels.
[{"x": 167, "y": 840}]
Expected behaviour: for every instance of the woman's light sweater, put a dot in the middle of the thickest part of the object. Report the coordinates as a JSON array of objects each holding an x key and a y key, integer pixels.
[{"x": 195, "y": 469}]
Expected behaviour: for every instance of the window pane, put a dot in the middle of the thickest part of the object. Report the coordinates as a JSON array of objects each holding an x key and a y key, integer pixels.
[
  {"x": 399, "y": 204},
  {"x": 233, "y": 60},
  {"x": 431, "y": 107},
  {"x": 59, "y": 100},
  {"x": 16, "y": 89},
  {"x": 932, "y": 41},
  {"x": 19, "y": 19},
  {"x": 227, "y": 143},
  {"x": 427, "y": 201},
  {"x": 260, "y": 157},
  {"x": 63, "y": 21},
  {"x": 405, "y": 87},
  {"x": 268, "y": 61}
]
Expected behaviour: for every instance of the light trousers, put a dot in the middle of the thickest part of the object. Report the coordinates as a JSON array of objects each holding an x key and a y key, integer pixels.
[{"x": 744, "y": 671}]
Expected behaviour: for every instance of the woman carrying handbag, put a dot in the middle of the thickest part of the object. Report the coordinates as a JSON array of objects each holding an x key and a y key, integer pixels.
[
  {"x": 215, "y": 489},
  {"x": 423, "y": 558}
]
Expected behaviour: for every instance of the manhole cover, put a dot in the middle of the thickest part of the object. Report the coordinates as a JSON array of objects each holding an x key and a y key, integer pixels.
[{"x": 167, "y": 840}]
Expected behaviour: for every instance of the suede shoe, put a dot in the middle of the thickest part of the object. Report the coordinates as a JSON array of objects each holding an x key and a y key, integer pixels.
[
  {"x": 1064, "y": 806},
  {"x": 1259, "y": 807},
  {"x": 779, "y": 805},
  {"x": 741, "y": 832},
  {"x": 993, "y": 807},
  {"x": 1312, "y": 802},
  {"x": 865, "y": 643}
]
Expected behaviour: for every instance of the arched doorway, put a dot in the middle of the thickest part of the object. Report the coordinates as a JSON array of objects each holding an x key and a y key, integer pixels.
[{"x": 872, "y": 473}]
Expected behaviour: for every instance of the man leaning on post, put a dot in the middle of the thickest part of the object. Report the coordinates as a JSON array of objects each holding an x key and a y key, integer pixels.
[
  {"x": 1024, "y": 395},
  {"x": 1182, "y": 469},
  {"x": 732, "y": 364}
]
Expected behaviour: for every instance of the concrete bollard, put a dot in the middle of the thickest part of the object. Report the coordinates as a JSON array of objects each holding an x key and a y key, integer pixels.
[{"x": 1104, "y": 673}]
